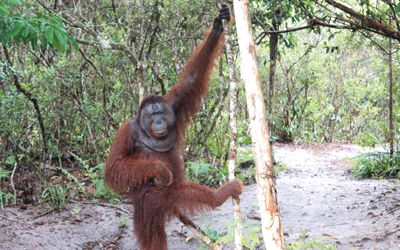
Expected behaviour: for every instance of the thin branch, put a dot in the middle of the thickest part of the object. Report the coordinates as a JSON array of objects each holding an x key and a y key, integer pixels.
[
  {"x": 394, "y": 16},
  {"x": 38, "y": 57},
  {"x": 107, "y": 205},
  {"x": 115, "y": 11},
  {"x": 76, "y": 99},
  {"x": 200, "y": 133},
  {"x": 1, "y": 216},
  {"x": 91, "y": 63},
  {"x": 12, "y": 180},
  {"x": 158, "y": 77},
  {"x": 113, "y": 46},
  {"x": 379, "y": 46},
  {"x": 113, "y": 122},
  {"x": 30, "y": 97},
  {"x": 200, "y": 233},
  {"x": 43, "y": 214}
]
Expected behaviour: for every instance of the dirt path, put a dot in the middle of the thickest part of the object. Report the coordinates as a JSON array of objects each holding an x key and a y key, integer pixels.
[{"x": 316, "y": 198}]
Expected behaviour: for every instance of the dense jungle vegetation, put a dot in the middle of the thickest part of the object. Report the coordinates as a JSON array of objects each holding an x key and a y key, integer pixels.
[{"x": 72, "y": 71}]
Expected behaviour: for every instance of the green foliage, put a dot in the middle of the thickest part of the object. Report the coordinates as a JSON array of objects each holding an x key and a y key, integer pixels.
[
  {"x": 320, "y": 96},
  {"x": 65, "y": 172},
  {"x": 244, "y": 154},
  {"x": 3, "y": 174},
  {"x": 333, "y": 96},
  {"x": 379, "y": 163},
  {"x": 321, "y": 243},
  {"x": 206, "y": 173},
  {"x": 95, "y": 174},
  {"x": 279, "y": 167},
  {"x": 249, "y": 239},
  {"x": 75, "y": 211},
  {"x": 57, "y": 194},
  {"x": 48, "y": 30},
  {"x": 212, "y": 233},
  {"x": 4, "y": 8},
  {"x": 243, "y": 135},
  {"x": 122, "y": 222}
]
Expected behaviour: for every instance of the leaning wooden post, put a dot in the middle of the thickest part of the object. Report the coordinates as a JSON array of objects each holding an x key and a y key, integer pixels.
[{"x": 266, "y": 179}]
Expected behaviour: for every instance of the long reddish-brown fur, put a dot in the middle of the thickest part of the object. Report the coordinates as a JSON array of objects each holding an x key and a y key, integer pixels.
[{"x": 127, "y": 168}]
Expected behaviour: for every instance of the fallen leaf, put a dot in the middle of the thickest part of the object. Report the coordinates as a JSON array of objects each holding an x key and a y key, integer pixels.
[
  {"x": 309, "y": 202},
  {"x": 365, "y": 239},
  {"x": 333, "y": 237},
  {"x": 374, "y": 215},
  {"x": 357, "y": 244},
  {"x": 189, "y": 238}
]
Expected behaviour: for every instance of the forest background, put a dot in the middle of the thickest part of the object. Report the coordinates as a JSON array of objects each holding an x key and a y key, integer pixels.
[{"x": 72, "y": 71}]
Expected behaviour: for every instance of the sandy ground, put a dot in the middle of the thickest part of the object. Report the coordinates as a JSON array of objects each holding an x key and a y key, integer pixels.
[{"x": 317, "y": 198}]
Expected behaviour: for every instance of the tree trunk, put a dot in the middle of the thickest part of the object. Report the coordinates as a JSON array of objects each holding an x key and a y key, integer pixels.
[
  {"x": 273, "y": 54},
  {"x": 390, "y": 98},
  {"x": 233, "y": 136},
  {"x": 141, "y": 81},
  {"x": 266, "y": 178}
]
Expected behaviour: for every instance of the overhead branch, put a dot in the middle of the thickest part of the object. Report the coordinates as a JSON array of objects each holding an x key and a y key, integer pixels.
[
  {"x": 101, "y": 42},
  {"x": 366, "y": 22},
  {"x": 314, "y": 21}
]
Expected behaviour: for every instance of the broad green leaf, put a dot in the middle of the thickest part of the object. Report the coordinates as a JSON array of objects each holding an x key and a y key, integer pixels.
[
  {"x": 254, "y": 238},
  {"x": 17, "y": 38},
  {"x": 248, "y": 224},
  {"x": 73, "y": 42},
  {"x": 57, "y": 44},
  {"x": 49, "y": 35},
  {"x": 43, "y": 40},
  {"x": 17, "y": 28},
  {"x": 25, "y": 39},
  {"x": 3, "y": 9},
  {"x": 25, "y": 33},
  {"x": 61, "y": 38},
  {"x": 397, "y": 8},
  {"x": 246, "y": 242},
  {"x": 10, "y": 159},
  {"x": 253, "y": 230},
  {"x": 57, "y": 24},
  {"x": 34, "y": 40},
  {"x": 16, "y": 2},
  {"x": 225, "y": 239}
]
